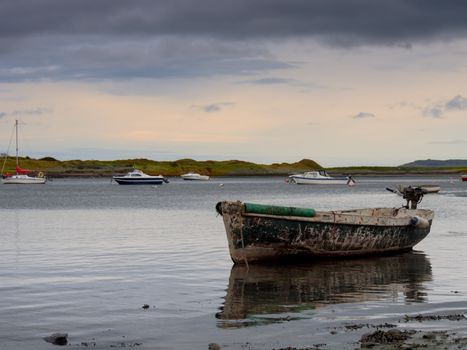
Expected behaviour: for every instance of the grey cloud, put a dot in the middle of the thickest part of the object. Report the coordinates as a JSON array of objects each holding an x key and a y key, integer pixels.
[
  {"x": 37, "y": 111},
  {"x": 185, "y": 68},
  {"x": 214, "y": 107},
  {"x": 336, "y": 21},
  {"x": 457, "y": 103},
  {"x": 433, "y": 112},
  {"x": 271, "y": 81},
  {"x": 120, "y": 39},
  {"x": 104, "y": 59},
  {"x": 363, "y": 115},
  {"x": 281, "y": 81}
]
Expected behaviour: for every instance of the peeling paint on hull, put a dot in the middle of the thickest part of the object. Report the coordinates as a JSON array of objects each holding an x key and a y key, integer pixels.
[{"x": 256, "y": 237}]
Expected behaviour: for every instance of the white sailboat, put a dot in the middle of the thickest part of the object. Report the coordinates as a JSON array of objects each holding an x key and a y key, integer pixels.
[{"x": 21, "y": 176}]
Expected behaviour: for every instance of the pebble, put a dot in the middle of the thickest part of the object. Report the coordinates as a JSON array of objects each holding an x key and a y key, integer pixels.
[{"x": 57, "y": 338}]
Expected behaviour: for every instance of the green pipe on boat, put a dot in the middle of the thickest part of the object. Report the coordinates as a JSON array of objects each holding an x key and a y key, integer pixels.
[{"x": 278, "y": 210}]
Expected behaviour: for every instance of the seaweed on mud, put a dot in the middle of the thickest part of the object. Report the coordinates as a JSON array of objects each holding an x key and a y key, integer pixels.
[
  {"x": 421, "y": 318},
  {"x": 385, "y": 337}
]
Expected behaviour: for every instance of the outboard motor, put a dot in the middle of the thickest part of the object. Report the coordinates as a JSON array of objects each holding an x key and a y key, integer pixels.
[{"x": 413, "y": 195}]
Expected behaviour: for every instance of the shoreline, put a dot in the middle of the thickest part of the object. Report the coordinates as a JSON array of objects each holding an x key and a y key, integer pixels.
[
  {"x": 454, "y": 175},
  {"x": 54, "y": 168}
]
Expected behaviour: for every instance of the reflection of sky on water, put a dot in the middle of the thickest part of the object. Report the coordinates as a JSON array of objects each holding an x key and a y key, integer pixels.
[{"x": 82, "y": 256}]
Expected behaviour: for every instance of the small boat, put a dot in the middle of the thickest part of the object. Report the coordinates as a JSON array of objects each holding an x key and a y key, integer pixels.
[
  {"x": 463, "y": 178},
  {"x": 194, "y": 177},
  {"x": 320, "y": 177},
  {"x": 24, "y": 179},
  {"x": 257, "y": 233},
  {"x": 22, "y": 175},
  {"x": 137, "y": 177},
  {"x": 425, "y": 188}
]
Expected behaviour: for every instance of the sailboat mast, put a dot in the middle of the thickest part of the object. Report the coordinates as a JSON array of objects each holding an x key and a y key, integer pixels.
[{"x": 16, "y": 127}]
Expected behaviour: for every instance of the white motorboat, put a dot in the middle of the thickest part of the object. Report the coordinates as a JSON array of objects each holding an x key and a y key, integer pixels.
[
  {"x": 320, "y": 177},
  {"x": 137, "y": 177},
  {"x": 21, "y": 176},
  {"x": 194, "y": 177}
]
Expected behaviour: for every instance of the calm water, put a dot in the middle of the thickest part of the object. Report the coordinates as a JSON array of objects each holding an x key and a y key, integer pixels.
[{"x": 84, "y": 256}]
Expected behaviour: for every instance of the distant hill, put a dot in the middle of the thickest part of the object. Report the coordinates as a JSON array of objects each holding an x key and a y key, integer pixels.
[
  {"x": 437, "y": 163},
  {"x": 56, "y": 168}
]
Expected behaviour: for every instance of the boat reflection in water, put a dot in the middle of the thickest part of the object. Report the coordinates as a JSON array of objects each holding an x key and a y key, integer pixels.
[{"x": 264, "y": 294}]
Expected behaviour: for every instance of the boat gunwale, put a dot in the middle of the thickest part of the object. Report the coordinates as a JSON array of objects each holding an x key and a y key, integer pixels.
[{"x": 351, "y": 217}]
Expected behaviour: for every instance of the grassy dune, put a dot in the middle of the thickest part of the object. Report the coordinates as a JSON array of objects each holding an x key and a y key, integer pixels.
[{"x": 56, "y": 168}]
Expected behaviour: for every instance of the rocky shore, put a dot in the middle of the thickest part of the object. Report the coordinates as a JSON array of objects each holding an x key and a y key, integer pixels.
[{"x": 421, "y": 331}]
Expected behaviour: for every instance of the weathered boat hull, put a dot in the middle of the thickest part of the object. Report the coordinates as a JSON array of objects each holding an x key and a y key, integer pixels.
[
  {"x": 464, "y": 178},
  {"x": 261, "y": 237}
]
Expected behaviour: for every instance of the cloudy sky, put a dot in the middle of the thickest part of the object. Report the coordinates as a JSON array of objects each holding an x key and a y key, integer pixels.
[{"x": 343, "y": 82}]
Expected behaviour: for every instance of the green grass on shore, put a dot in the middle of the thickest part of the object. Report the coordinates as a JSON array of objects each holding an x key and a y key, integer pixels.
[{"x": 56, "y": 168}]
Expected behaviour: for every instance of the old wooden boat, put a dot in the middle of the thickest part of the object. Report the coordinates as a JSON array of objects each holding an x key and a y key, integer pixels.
[{"x": 257, "y": 233}]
